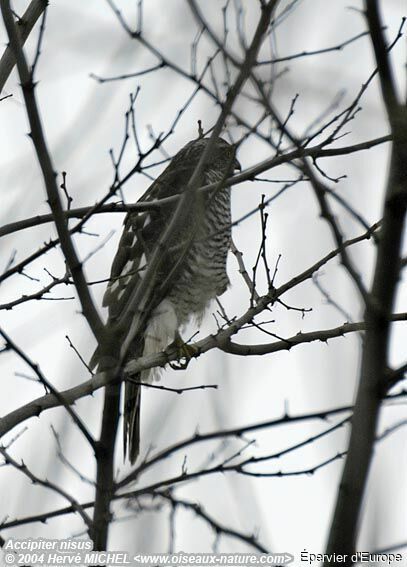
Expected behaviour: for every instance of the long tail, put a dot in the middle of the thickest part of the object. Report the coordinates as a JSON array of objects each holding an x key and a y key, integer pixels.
[
  {"x": 131, "y": 433},
  {"x": 131, "y": 412},
  {"x": 160, "y": 332}
]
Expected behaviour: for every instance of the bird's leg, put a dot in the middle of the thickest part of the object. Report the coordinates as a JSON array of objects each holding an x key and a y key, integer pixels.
[{"x": 183, "y": 351}]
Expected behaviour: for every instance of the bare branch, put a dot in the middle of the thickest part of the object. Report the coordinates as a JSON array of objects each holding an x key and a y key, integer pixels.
[
  {"x": 197, "y": 438},
  {"x": 24, "y": 25},
  {"x": 218, "y": 527},
  {"x": 99, "y": 380},
  {"x": 327, "y": 214},
  {"x": 54, "y": 392},
  {"x": 247, "y": 175},
  {"x": 49, "y": 177},
  {"x": 22, "y": 467},
  {"x": 374, "y": 366},
  {"x": 387, "y": 81},
  {"x": 321, "y": 51}
]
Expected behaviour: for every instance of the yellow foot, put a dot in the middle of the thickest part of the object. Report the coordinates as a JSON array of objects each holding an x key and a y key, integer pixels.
[{"x": 183, "y": 351}]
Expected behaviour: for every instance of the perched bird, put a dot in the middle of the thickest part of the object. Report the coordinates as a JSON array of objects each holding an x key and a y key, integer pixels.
[{"x": 191, "y": 271}]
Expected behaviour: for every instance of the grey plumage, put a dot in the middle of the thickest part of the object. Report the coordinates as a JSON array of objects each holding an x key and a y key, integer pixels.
[{"x": 192, "y": 269}]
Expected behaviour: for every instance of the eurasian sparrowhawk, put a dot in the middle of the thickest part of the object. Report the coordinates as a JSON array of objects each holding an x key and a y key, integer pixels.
[{"x": 192, "y": 267}]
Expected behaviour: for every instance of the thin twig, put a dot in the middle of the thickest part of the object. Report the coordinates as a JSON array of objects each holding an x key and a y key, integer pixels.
[
  {"x": 58, "y": 395},
  {"x": 44, "y": 159}
]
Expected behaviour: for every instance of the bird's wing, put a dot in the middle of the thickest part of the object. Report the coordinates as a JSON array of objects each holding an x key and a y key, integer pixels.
[
  {"x": 141, "y": 233},
  {"x": 140, "y": 236}
]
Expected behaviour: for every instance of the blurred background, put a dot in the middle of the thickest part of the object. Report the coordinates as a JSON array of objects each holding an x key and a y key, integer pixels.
[{"x": 83, "y": 119}]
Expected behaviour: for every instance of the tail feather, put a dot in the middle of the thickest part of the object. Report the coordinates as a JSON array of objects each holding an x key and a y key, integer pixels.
[
  {"x": 131, "y": 437},
  {"x": 131, "y": 411},
  {"x": 160, "y": 331}
]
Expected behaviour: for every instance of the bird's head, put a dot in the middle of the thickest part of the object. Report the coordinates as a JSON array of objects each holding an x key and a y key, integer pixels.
[{"x": 221, "y": 159}]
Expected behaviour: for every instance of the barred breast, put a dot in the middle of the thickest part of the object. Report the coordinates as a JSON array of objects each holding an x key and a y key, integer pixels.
[{"x": 204, "y": 276}]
